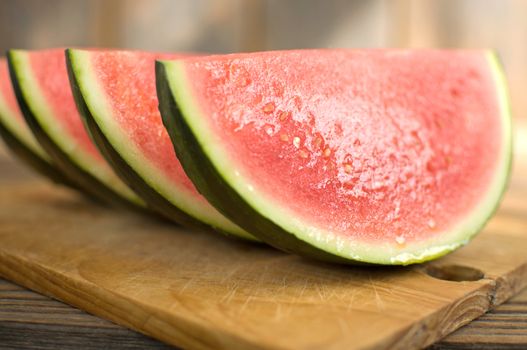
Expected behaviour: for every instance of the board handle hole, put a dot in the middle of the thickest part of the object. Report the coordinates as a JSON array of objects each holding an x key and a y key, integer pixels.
[{"x": 456, "y": 273}]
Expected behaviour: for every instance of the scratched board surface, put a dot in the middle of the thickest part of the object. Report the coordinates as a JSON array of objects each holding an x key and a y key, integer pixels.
[{"x": 199, "y": 290}]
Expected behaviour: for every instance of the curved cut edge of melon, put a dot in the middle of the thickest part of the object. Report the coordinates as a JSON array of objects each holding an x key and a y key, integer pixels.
[
  {"x": 213, "y": 172},
  {"x": 20, "y": 141},
  {"x": 16, "y": 127},
  {"x": 32, "y": 159},
  {"x": 95, "y": 181},
  {"x": 172, "y": 201}
]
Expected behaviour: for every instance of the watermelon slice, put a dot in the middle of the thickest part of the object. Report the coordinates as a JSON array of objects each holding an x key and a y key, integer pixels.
[
  {"x": 371, "y": 156},
  {"x": 41, "y": 84},
  {"x": 17, "y": 135},
  {"x": 115, "y": 92}
]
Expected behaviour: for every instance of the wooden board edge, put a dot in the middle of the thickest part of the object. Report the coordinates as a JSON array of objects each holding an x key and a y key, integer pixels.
[{"x": 176, "y": 331}]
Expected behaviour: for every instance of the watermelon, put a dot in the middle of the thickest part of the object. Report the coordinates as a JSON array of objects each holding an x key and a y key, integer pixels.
[
  {"x": 115, "y": 92},
  {"x": 17, "y": 135},
  {"x": 363, "y": 156},
  {"x": 41, "y": 85}
]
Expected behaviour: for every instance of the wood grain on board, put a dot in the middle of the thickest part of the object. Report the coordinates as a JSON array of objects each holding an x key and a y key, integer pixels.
[
  {"x": 32, "y": 321},
  {"x": 502, "y": 328},
  {"x": 199, "y": 290}
]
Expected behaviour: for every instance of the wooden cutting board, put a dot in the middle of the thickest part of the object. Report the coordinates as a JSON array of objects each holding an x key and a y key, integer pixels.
[{"x": 198, "y": 290}]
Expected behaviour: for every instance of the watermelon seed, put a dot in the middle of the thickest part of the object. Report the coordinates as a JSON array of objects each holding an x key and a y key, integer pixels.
[
  {"x": 303, "y": 154},
  {"x": 400, "y": 240},
  {"x": 268, "y": 108},
  {"x": 396, "y": 210},
  {"x": 296, "y": 141},
  {"x": 243, "y": 81},
  {"x": 284, "y": 115},
  {"x": 318, "y": 141},
  {"x": 376, "y": 185},
  {"x": 284, "y": 137},
  {"x": 327, "y": 152},
  {"x": 348, "y": 168},
  {"x": 431, "y": 223}
]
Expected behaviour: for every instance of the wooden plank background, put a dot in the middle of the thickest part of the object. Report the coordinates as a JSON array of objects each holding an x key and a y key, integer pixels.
[{"x": 239, "y": 25}]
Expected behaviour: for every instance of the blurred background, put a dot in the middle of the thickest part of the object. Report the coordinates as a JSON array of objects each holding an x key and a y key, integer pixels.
[{"x": 251, "y": 25}]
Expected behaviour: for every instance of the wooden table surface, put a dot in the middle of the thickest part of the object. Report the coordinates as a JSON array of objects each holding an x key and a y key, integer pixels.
[{"x": 32, "y": 321}]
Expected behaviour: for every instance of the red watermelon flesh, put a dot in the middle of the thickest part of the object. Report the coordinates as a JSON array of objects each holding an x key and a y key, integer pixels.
[
  {"x": 117, "y": 90},
  {"x": 16, "y": 133},
  {"x": 135, "y": 109},
  {"x": 10, "y": 114},
  {"x": 372, "y": 156},
  {"x": 384, "y": 147},
  {"x": 40, "y": 79},
  {"x": 7, "y": 92},
  {"x": 49, "y": 69}
]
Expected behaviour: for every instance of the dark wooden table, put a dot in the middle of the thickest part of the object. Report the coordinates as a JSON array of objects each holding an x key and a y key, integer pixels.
[{"x": 32, "y": 321}]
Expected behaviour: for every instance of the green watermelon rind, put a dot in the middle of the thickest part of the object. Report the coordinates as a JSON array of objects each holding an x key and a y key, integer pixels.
[
  {"x": 20, "y": 141},
  {"x": 76, "y": 165},
  {"x": 11, "y": 124},
  {"x": 32, "y": 159},
  {"x": 126, "y": 159},
  {"x": 214, "y": 174}
]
